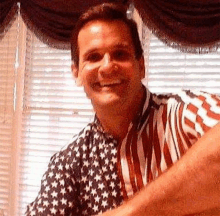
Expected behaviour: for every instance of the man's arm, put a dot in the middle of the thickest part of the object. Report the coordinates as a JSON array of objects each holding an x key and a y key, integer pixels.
[{"x": 190, "y": 186}]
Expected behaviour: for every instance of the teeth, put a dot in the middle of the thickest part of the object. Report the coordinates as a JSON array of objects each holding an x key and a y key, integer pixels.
[{"x": 110, "y": 83}]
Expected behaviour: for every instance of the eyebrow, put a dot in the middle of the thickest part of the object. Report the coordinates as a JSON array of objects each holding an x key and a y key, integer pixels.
[{"x": 121, "y": 45}]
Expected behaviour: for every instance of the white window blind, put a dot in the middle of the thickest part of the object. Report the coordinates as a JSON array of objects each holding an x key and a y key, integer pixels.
[
  {"x": 8, "y": 50},
  {"x": 54, "y": 110},
  {"x": 169, "y": 70}
]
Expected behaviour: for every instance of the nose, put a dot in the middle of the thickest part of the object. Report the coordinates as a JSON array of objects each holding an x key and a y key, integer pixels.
[{"x": 107, "y": 65}]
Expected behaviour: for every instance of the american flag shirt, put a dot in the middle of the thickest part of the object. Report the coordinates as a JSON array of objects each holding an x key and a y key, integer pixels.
[{"x": 95, "y": 173}]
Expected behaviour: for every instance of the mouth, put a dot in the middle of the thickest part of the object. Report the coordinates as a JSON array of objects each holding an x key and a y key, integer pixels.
[{"x": 109, "y": 83}]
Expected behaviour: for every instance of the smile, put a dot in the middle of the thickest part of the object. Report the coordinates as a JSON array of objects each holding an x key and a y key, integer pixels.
[{"x": 109, "y": 83}]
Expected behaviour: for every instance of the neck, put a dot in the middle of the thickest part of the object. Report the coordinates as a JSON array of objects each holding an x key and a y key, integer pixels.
[{"x": 117, "y": 120}]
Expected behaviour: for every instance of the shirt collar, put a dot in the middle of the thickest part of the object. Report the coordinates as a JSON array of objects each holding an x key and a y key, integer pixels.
[{"x": 143, "y": 112}]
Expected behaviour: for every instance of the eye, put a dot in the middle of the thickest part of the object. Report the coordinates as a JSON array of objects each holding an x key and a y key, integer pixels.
[
  {"x": 93, "y": 57},
  {"x": 121, "y": 55}
]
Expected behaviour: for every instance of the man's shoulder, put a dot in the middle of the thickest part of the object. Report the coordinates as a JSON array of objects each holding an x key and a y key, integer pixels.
[
  {"x": 75, "y": 145},
  {"x": 184, "y": 96}
]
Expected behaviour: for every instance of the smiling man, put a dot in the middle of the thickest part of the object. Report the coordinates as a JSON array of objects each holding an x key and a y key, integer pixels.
[
  {"x": 145, "y": 154},
  {"x": 110, "y": 73}
]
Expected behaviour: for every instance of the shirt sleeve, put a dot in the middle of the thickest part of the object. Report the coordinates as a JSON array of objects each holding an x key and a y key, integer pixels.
[
  {"x": 58, "y": 193},
  {"x": 202, "y": 112}
]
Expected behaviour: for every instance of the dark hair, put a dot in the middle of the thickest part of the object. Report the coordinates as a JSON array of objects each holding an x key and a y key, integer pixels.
[{"x": 108, "y": 12}]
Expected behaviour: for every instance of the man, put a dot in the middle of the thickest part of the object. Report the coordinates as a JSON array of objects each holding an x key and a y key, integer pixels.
[{"x": 129, "y": 157}]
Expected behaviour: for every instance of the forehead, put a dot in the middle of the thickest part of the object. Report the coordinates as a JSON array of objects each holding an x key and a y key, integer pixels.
[{"x": 103, "y": 33}]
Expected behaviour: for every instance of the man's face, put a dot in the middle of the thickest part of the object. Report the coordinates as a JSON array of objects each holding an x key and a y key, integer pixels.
[{"x": 108, "y": 69}]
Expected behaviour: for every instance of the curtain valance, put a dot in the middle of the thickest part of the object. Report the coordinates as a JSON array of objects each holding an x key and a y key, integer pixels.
[
  {"x": 189, "y": 25},
  {"x": 51, "y": 21}
]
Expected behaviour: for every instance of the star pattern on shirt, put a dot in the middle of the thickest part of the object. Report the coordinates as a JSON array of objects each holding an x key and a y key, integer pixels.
[
  {"x": 100, "y": 188},
  {"x": 82, "y": 178}
]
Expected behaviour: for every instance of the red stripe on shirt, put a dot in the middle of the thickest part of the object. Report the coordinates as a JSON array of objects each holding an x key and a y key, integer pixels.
[
  {"x": 129, "y": 158},
  {"x": 136, "y": 162}
]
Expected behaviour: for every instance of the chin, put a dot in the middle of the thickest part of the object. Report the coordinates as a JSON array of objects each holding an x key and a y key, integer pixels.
[{"x": 107, "y": 101}]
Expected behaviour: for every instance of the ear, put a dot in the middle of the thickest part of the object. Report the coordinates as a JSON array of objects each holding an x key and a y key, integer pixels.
[
  {"x": 74, "y": 70},
  {"x": 75, "y": 73},
  {"x": 142, "y": 67}
]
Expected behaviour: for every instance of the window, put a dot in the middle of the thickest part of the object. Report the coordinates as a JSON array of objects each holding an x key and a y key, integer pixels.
[
  {"x": 54, "y": 109},
  {"x": 41, "y": 108},
  {"x": 169, "y": 69}
]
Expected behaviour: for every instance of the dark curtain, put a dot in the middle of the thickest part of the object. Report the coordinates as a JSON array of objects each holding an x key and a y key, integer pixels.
[
  {"x": 189, "y": 25},
  {"x": 8, "y": 12},
  {"x": 53, "y": 21}
]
